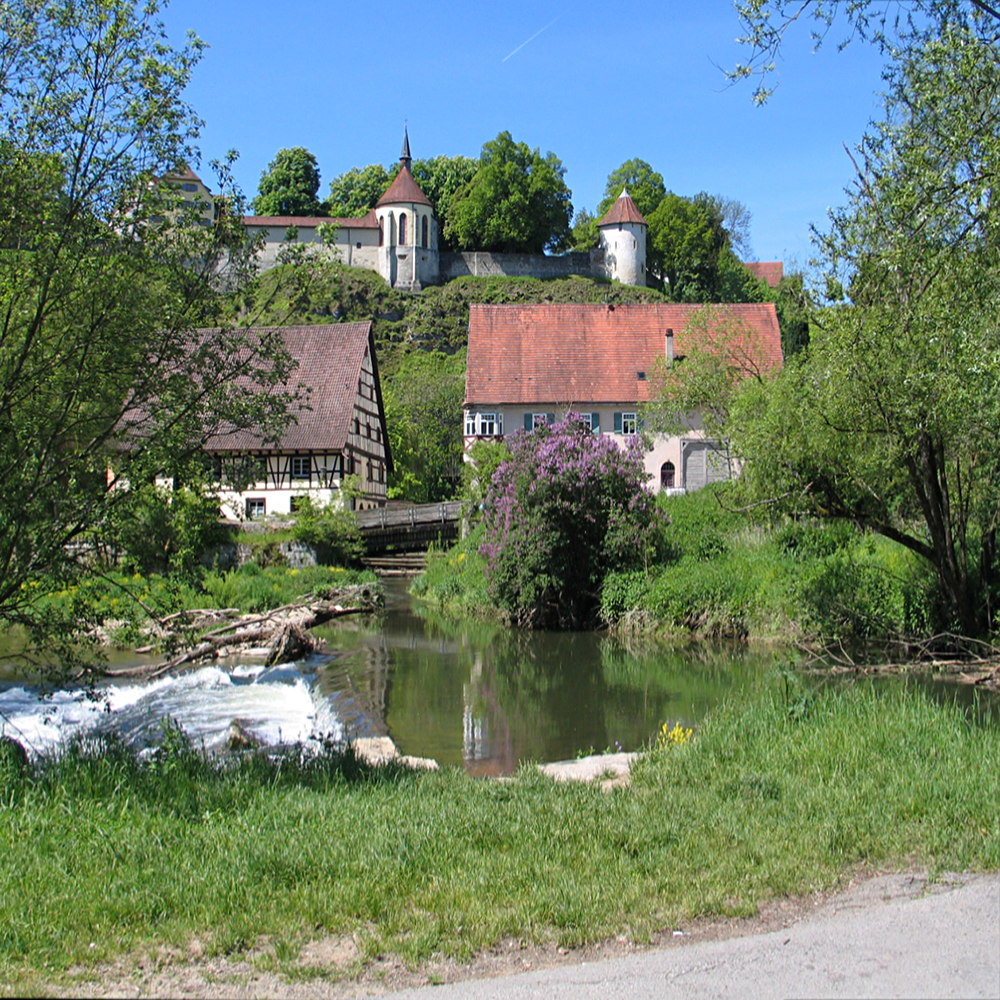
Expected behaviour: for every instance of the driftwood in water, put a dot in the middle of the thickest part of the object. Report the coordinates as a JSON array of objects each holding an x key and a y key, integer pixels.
[
  {"x": 969, "y": 661},
  {"x": 283, "y": 632}
]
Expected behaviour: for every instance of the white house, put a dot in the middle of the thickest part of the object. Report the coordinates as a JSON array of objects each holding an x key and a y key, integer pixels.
[{"x": 532, "y": 364}]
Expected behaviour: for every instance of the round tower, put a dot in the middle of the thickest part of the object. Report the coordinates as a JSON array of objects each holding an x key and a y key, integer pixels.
[
  {"x": 623, "y": 241},
  {"x": 408, "y": 232}
]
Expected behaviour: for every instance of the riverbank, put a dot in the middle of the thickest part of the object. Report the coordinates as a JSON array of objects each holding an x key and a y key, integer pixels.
[
  {"x": 722, "y": 574},
  {"x": 117, "y": 859}
]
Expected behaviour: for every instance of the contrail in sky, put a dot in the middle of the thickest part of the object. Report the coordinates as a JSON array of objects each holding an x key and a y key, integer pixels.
[{"x": 533, "y": 37}]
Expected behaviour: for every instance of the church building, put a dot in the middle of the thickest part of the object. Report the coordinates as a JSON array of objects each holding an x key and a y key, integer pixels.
[{"x": 398, "y": 238}]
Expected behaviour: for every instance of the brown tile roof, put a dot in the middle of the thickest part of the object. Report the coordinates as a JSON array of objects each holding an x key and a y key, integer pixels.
[
  {"x": 770, "y": 271},
  {"x": 623, "y": 210},
  {"x": 182, "y": 173},
  {"x": 579, "y": 354},
  {"x": 404, "y": 190},
  {"x": 311, "y": 221},
  {"x": 329, "y": 365}
]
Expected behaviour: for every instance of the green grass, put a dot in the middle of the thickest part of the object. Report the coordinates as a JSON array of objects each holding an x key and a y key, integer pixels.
[
  {"x": 455, "y": 580},
  {"x": 785, "y": 794}
]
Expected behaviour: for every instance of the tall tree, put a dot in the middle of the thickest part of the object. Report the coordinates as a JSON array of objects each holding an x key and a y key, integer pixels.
[
  {"x": 517, "y": 202},
  {"x": 423, "y": 405},
  {"x": 289, "y": 185},
  {"x": 442, "y": 179},
  {"x": 690, "y": 250},
  {"x": 795, "y": 308},
  {"x": 645, "y": 187},
  {"x": 585, "y": 232},
  {"x": 106, "y": 273},
  {"x": 354, "y": 192},
  {"x": 892, "y": 415}
]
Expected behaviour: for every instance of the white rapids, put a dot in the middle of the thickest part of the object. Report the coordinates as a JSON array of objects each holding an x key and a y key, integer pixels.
[{"x": 275, "y": 705}]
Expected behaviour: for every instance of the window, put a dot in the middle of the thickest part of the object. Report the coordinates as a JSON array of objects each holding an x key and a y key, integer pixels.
[
  {"x": 667, "y": 476},
  {"x": 256, "y": 507},
  {"x": 402, "y": 229},
  {"x": 189, "y": 187},
  {"x": 626, "y": 423},
  {"x": 423, "y": 232},
  {"x": 381, "y": 232},
  {"x": 533, "y": 420},
  {"x": 592, "y": 421},
  {"x": 301, "y": 467},
  {"x": 483, "y": 424},
  {"x": 295, "y": 503}
]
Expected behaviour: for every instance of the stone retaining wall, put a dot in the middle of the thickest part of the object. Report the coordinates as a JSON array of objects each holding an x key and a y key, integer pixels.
[{"x": 521, "y": 265}]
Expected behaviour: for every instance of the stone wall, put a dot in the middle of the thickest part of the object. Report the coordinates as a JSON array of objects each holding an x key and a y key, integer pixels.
[
  {"x": 521, "y": 265},
  {"x": 232, "y": 555}
]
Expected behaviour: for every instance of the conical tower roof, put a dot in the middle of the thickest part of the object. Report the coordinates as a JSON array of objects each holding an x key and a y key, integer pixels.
[
  {"x": 623, "y": 210},
  {"x": 404, "y": 189}
]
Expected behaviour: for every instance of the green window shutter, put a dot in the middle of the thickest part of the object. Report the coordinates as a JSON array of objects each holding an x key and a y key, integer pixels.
[
  {"x": 550, "y": 418},
  {"x": 618, "y": 423},
  {"x": 528, "y": 424},
  {"x": 595, "y": 423},
  {"x": 640, "y": 424}
]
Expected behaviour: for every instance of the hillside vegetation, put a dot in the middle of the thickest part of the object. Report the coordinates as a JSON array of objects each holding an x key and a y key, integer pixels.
[{"x": 435, "y": 319}]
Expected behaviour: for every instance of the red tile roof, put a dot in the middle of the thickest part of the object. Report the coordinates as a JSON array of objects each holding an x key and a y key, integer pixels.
[
  {"x": 311, "y": 221},
  {"x": 623, "y": 210},
  {"x": 404, "y": 190},
  {"x": 579, "y": 354},
  {"x": 770, "y": 271},
  {"x": 329, "y": 365}
]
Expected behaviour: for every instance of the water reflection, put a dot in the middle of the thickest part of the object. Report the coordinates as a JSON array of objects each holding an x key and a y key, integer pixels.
[{"x": 478, "y": 695}]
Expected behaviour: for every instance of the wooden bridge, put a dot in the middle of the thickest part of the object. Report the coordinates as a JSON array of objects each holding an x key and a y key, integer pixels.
[{"x": 409, "y": 529}]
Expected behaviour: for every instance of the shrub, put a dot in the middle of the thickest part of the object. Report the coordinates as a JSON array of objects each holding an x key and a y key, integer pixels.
[
  {"x": 565, "y": 509},
  {"x": 162, "y": 530},
  {"x": 331, "y": 528}
]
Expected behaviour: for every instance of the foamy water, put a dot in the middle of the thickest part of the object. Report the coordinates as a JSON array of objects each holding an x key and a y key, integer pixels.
[{"x": 276, "y": 705}]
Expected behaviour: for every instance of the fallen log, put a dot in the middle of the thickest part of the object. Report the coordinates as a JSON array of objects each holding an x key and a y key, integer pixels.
[{"x": 284, "y": 632}]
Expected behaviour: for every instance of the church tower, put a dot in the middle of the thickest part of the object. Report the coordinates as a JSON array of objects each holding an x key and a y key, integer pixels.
[
  {"x": 408, "y": 232},
  {"x": 623, "y": 240}
]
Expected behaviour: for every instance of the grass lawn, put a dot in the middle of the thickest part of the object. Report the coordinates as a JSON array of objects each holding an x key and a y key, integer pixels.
[{"x": 105, "y": 854}]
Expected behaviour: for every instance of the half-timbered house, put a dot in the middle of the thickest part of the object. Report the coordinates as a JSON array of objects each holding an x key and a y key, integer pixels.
[{"x": 338, "y": 430}]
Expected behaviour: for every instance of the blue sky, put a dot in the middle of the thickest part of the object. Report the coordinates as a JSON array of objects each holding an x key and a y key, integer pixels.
[{"x": 594, "y": 85}]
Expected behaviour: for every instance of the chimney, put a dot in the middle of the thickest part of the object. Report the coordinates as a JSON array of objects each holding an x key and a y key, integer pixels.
[{"x": 670, "y": 347}]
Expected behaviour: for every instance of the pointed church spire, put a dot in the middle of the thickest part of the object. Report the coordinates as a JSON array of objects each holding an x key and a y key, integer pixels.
[{"x": 404, "y": 156}]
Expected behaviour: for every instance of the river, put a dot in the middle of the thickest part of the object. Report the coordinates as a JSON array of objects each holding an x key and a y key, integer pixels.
[{"x": 469, "y": 694}]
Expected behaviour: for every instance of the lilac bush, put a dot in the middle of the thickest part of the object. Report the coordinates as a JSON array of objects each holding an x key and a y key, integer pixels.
[{"x": 565, "y": 509}]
